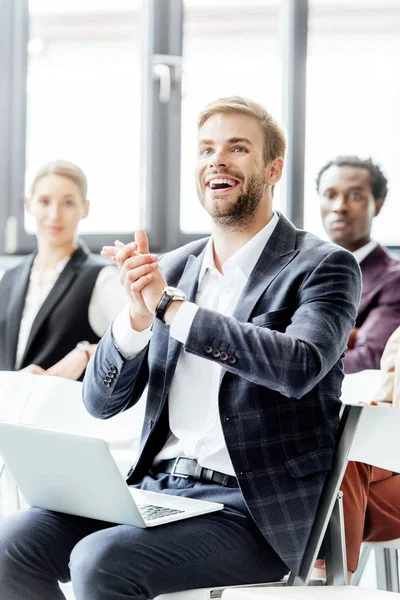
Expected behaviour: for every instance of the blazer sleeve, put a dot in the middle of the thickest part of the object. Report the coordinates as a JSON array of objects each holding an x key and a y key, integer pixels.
[
  {"x": 374, "y": 333},
  {"x": 293, "y": 362},
  {"x": 111, "y": 383}
]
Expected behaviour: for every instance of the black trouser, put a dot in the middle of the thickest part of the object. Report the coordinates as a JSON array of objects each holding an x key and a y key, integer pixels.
[{"x": 38, "y": 548}]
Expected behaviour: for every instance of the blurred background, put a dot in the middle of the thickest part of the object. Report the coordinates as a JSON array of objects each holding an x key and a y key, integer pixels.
[{"x": 115, "y": 86}]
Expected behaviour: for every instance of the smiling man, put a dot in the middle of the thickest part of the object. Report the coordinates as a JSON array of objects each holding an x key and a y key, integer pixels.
[
  {"x": 241, "y": 354},
  {"x": 352, "y": 192}
]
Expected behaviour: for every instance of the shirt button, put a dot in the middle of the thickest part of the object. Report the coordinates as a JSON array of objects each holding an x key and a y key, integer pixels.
[
  {"x": 231, "y": 359},
  {"x": 208, "y": 349},
  {"x": 216, "y": 353}
]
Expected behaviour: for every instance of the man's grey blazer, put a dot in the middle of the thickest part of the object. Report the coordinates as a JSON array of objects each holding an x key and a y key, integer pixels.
[{"x": 281, "y": 354}]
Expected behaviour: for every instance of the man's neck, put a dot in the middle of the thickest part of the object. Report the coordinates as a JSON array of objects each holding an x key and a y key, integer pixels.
[{"x": 226, "y": 242}]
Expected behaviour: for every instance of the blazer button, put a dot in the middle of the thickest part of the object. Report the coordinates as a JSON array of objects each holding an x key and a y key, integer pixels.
[
  {"x": 106, "y": 383},
  {"x": 223, "y": 355},
  {"x": 231, "y": 359},
  {"x": 216, "y": 353},
  {"x": 110, "y": 374},
  {"x": 108, "y": 379},
  {"x": 113, "y": 369},
  {"x": 208, "y": 349}
]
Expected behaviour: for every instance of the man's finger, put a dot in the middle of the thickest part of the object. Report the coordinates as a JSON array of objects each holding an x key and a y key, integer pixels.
[
  {"x": 142, "y": 241},
  {"x": 126, "y": 251}
]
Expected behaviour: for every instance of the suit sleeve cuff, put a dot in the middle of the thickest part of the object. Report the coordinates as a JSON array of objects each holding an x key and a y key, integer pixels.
[
  {"x": 182, "y": 322},
  {"x": 128, "y": 341}
]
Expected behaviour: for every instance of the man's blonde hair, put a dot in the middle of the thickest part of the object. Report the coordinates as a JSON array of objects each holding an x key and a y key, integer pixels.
[
  {"x": 274, "y": 138},
  {"x": 64, "y": 169}
]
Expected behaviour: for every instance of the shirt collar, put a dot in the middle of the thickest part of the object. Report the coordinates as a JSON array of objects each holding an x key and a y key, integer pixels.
[
  {"x": 247, "y": 256},
  {"x": 363, "y": 252}
]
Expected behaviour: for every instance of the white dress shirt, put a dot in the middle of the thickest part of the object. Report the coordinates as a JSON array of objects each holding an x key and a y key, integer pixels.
[
  {"x": 107, "y": 300},
  {"x": 363, "y": 252},
  {"x": 195, "y": 426}
]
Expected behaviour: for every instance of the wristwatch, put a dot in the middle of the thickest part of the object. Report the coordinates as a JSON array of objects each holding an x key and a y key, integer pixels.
[
  {"x": 169, "y": 295},
  {"x": 84, "y": 345}
]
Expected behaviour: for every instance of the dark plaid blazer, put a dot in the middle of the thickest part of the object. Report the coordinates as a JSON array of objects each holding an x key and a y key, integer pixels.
[{"x": 279, "y": 397}]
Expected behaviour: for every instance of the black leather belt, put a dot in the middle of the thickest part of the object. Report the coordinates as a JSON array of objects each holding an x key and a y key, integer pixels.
[{"x": 189, "y": 467}]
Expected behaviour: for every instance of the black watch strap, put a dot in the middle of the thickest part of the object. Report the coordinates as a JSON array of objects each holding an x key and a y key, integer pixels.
[
  {"x": 162, "y": 306},
  {"x": 169, "y": 295}
]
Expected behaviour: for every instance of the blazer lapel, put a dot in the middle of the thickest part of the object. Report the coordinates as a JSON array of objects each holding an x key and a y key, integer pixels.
[
  {"x": 16, "y": 307},
  {"x": 277, "y": 254},
  {"x": 60, "y": 287},
  {"x": 188, "y": 283}
]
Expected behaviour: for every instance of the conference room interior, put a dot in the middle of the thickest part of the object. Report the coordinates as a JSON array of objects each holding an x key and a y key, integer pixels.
[{"x": 115, "y": 86}]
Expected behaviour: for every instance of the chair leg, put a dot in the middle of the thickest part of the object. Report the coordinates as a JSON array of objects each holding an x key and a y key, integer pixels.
[
  {"x": 335, "y": 547},
  {"x": 387, "y": 570},
  {"x": 365, "y": 553}
]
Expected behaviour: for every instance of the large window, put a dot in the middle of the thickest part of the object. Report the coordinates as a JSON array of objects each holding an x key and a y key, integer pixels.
[
  {"x": 353, "y": 97},
  {"x": 84, "y": 101},
  {"x": 116, "y": 86},
  {"x": 229, "y": 47}
]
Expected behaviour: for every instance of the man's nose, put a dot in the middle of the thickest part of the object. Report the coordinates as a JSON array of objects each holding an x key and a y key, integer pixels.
[
  {"x": 219, "y": 159},
  {"x": 339, "y": 204}
]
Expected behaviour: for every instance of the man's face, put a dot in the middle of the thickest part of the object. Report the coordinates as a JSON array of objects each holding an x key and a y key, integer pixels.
[
  {"x": 230, "y": 171},
  {"x": 347, "y": 205}
]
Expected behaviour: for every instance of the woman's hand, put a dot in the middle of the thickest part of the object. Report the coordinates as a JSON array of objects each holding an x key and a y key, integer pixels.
[
  {"x": 71, "y": 366},
  {"x": 34, "y": 369}
]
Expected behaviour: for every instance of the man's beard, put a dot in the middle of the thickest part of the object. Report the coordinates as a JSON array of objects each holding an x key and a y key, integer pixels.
[{"x": 241, "y": 213}]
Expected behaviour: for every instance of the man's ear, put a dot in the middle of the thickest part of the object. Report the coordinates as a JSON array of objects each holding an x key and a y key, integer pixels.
[
  {"x": 274, "y": 170},
  {"x": 378, "y": 205}
]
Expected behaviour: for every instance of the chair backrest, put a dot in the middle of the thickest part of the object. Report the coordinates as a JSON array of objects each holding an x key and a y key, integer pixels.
[
  {"x": 377, "y": 439},
  {"x": 347, "y": 430},
  {"x": 361, "y": 387}
]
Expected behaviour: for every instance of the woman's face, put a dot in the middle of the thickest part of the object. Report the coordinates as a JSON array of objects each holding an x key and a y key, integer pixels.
[{"x": 57, "y": 206}]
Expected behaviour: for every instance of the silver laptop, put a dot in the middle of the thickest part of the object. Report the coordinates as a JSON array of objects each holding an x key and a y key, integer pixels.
[{"x": 77, "y": 475}]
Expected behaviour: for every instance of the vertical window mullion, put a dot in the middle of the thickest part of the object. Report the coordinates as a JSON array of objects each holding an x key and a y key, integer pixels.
[
  {"x": 13, "y": 65},
  {"x": 294, "y": 14},
  {"x": 161, "y": 121}
]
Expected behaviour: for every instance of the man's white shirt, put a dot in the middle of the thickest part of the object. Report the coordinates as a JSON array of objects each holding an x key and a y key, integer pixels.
[
  {"x": 195, "y": 426},
  {"x": 364, "y": 251}
]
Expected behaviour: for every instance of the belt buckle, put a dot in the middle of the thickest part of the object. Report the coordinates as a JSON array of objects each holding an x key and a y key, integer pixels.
[{"x": 174, "y": 467}]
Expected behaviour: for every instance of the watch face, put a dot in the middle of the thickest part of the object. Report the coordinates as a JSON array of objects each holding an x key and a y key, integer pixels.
[{"x": 174, "y": 293}]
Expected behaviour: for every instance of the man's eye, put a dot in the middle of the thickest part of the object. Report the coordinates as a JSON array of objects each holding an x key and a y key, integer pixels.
[
  {"x": 329, "y": 195},
  {"x": 240, "y": 149},
  {"x": 355, "y": 196},
  {"x": 206, "y": 151}
]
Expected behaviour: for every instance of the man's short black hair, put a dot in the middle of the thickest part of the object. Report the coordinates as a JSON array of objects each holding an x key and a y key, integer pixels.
[{"x": 378, "y": 180}]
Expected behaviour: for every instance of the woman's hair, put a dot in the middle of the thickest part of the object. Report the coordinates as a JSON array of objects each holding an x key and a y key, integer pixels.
[{"x": 64, "y": 169}]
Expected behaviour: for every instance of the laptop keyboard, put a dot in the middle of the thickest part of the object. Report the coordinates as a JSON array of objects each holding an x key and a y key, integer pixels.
[{"x": 150, "y": 512}]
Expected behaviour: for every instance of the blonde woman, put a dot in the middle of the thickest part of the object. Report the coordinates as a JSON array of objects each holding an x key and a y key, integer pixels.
[{"x": 57, "y": 303}]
